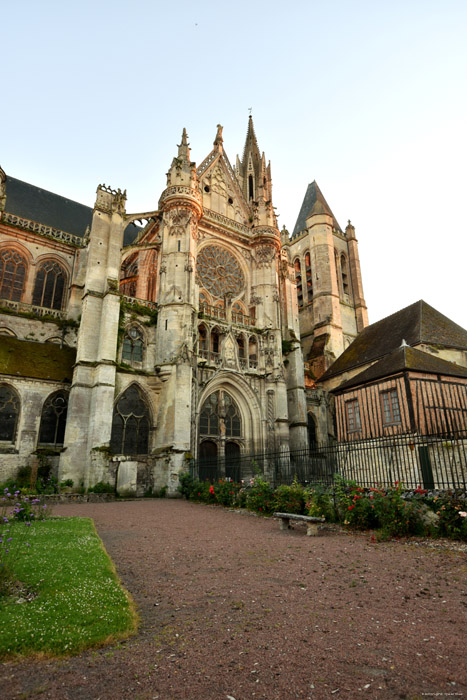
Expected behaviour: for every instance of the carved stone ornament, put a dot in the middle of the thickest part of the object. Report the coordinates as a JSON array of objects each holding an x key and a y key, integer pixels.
[
  {"x": 177, "y": 220},
  {"x": 163, "y": 268},
  {"x": 265, "y": 255},
  {"x": 255, "y": 300},
  {"x": 275, "y": 296}
]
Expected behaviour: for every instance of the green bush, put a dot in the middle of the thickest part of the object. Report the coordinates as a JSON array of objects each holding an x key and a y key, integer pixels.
[
  {"x": 452, "y": 516},
  {"x": 101, "y": 487},
  {"x": 290, "y": 499},
  {"x": 395, "y": 516},
  {"x": 320, "y": 503},
  {"x": 226, "y": 492},
  {"x": 185, "y": 484},
  {"x": 260, "y": 496},
  {"x": 354, "y": 508}
]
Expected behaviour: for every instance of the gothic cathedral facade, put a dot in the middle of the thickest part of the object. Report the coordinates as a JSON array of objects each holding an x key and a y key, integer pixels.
[{"x": 126, "y": 350}]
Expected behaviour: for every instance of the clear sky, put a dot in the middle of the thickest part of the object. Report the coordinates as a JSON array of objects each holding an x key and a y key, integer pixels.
[{"x": 368, "y": 98}]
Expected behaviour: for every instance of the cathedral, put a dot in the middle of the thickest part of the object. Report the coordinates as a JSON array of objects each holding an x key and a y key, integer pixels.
[{"x": 131, "y": 343}]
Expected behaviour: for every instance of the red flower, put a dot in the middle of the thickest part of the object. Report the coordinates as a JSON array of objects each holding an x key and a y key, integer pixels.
[{"x": 211, "y": 489}]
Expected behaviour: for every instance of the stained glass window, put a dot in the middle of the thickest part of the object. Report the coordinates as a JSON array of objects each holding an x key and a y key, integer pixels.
[
  {"x": 218, "y": 407},
  {"x": 49, "y": 285},
  {"x": 9, "y": 413},
  {"x": 12, "y": 275},
  {"x": 132, "y": 350},
  {"x": 219, "y": 272},
  {"x": 53, "y": 419},
  {"x": 130, "y": 424}
]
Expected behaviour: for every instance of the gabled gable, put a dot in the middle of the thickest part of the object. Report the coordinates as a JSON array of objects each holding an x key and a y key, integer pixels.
[
  {"x": 417, "y": 324},
  {"x": 220, "y": 188}
]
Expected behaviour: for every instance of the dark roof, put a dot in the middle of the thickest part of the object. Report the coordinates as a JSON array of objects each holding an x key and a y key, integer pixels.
[
  {"x": 24, "y": 358},
  {"x": 405, "y": 358},
  {"x": 313, "y": 200},
  {"x": 418, "y": 323},
  {"x": 36, "y": 204}
]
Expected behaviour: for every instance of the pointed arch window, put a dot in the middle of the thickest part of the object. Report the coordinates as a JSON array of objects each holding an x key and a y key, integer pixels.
[
  {"x": 130, "y": 424},
  {"x": 298, "y": 281},
  {"x": 9, "y": 413},
  {"x": 309, "y": 280},
  {"x": 132, "y": 350},
  {"x": 251, "y": 189},
  {"x": 344, "y": 275},
  {"x": 220, "y": 408},
  {"x": 53, "y": 419},
  {"x": 253, "y": 353},
  {"x": 241, "y": 347},
  {"x": 129, "y": 275},
  {"x": 49, "y": 285},
  {"x": 12, "y": 275}
]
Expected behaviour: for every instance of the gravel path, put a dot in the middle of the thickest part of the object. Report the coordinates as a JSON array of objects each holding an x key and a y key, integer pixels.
[{"x": 231, "y": 607}]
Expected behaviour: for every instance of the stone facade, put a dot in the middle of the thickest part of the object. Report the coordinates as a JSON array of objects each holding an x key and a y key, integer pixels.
[{"x": 179, "y": 338}]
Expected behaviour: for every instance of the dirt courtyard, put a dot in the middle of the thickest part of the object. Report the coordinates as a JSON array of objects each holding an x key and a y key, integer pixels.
[{"x": 232, "y": 607}]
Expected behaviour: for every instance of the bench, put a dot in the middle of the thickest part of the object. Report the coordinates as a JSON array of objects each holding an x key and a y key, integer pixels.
[{"x": 311, "y": 522}]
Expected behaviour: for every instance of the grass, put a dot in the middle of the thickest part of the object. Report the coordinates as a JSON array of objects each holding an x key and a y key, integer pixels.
[{"x": 79, "y": 602}]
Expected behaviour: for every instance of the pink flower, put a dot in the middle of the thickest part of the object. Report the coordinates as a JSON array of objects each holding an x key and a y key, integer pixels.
[{"x": 463, "y": 514}]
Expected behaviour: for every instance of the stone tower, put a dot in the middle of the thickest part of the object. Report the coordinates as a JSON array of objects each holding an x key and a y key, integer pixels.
[{"x": 332, "y": 309}]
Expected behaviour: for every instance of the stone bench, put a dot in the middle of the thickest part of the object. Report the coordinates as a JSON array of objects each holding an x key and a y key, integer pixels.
[{"x": 311, "y": 522}]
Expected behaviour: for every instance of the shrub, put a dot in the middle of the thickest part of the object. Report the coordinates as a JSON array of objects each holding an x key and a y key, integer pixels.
[
  {"x": 452, "y": 516},
  {"x": 320, "y": 503},
  {"x": 101, "y": 487},
  {"x": 226, "y": 492},
  {"x": 260, "y": 496},
  {"x": 290, "y": 499},
  {"x": 354, "y": 508},
  {"x": 185, "y": 484},
  {"x": 395, "y": 516}
]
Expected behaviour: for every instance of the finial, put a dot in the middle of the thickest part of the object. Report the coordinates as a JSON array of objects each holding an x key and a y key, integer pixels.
[
  {"x": 219, "y": 140},
  {"x": 183, "y": 149},
  {"x": 250, "y": 110}
]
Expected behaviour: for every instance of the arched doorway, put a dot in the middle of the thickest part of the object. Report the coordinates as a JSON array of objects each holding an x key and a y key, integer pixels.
[
  {"x": 219, "y": 420},
  {"x": 232, "y": 461}
]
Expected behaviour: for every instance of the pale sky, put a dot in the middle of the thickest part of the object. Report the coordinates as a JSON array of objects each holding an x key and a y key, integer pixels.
[{"x": 368, "y": 98}]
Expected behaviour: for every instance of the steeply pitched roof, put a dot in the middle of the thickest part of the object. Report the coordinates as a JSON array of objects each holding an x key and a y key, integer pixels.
[
  {"x": 418, "y": 323},
  {"x": 313, "y": 200},
  {"x": 36, "y": 204},
  {"x": 23, "y": 358},
  {"x": 251, "y": 144},
  {"x": 405, "y": 358}
]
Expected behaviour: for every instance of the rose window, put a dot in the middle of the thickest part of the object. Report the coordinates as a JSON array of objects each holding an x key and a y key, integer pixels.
[{"x": 219, "y": 272}]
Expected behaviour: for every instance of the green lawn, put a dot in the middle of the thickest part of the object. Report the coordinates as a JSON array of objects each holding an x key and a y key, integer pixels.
[{"x": 79, "y": 603}]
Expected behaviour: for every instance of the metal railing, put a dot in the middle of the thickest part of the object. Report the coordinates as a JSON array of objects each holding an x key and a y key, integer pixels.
[{"x": 428, "y": 461}]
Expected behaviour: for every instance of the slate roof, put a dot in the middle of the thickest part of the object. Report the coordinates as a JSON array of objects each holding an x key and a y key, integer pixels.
[
  {"x": 417, "y": 323},
  {"x": 36, "y": 204},
  {"x": 24, "y": 358},
  {"x": 313, "y": 199},
  {"x": 405, "y": 358}
]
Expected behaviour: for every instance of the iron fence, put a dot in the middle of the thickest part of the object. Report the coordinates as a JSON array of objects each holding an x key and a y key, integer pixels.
[{"x": 431, "y": 462}]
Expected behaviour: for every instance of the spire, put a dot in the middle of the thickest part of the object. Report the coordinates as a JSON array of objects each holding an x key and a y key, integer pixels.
[
  {"x": 251, "y": 144},
  {"x": 184, "y": 148},
  {"x": 182, "y": 171},
  {"x": 313, "y": 203}
]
